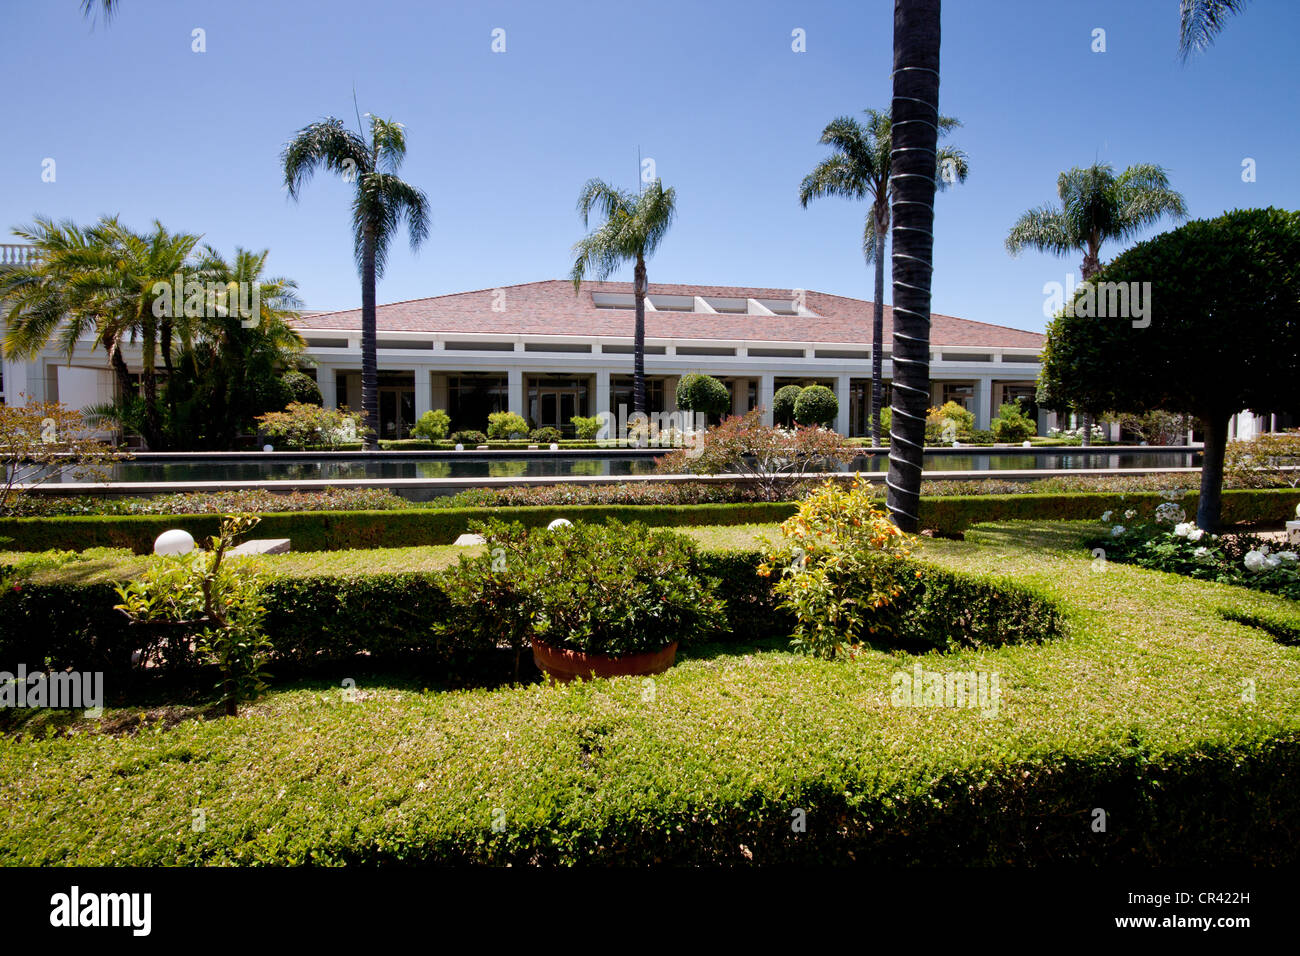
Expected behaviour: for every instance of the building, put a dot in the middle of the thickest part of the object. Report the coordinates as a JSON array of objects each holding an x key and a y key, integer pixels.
[{"x": 542, "y": 351}]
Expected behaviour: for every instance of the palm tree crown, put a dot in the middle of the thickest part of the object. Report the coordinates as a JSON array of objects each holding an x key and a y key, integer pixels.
[{"x": 1200, "y": 21}]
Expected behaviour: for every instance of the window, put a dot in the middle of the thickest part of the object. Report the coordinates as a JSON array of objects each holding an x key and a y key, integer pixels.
[
  {"x": 473, "y": 396},
  {"x": 620, "y": 393}
]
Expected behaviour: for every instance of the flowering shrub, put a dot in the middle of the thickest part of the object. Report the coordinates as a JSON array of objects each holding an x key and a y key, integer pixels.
[
  {"x": 838, "y": 565},
  {"x": 1074, "y": 436},
  {"x": 1266, "y": 461},
  {"x": 1185, "y": 549}
]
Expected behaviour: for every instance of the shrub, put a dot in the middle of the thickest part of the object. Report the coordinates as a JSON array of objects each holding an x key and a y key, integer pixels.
[
  {"x": 545, "y": 435},
  {"x": 468, "y": 437},
  {"x": 764, "y": 454},
  {"x": 948, "y": 423},
  {"x": 301, "y": 425},
  {"x": 38, "y": 441},
  {"x": 603, "y": 589},
  {"x": 506, "y": 425},
  {"x": 886, "y": 422},
  {"x": 828, "y": 572},
  {"x": 301, "y": 388},
  {"x": 816, "y": 405},
  {"x": 433, "y": 425},
  {"x": 703, "y": 394},
  {"x": 1012, "y": 424},
  {"x": 783, "y": 404},
  {"x": 1260, "y": 462},
  {"x": 586, "y": 427}
]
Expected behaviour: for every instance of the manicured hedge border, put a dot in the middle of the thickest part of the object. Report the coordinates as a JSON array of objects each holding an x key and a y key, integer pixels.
[
  {"x": 343, "y": 530},
  {"x": 325, "y": 617}
]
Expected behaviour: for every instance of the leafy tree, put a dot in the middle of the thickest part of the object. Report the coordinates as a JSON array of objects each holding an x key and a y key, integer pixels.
[
  {"x": 859, "y": 168},
  {"x": 704, "y": 394},
  {"x": 1224, "y": 332},
  {"x": 39, "y": 441},
  {"x": 1096, "y": 206},
  {"x": 914, "y": 115},
  {"x": 505, "y": 424},
  {"x": 816, "y": 405},
  {"x": 1012, "y": 424},
  {"x": 381, "y": 203},
  {"x": 631, "y": 230},
  {"x": 299, "y": 387},
  {"x": 433, "y": 425}
]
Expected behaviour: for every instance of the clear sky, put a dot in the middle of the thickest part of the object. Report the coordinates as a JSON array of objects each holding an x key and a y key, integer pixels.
[{"x": 139, "y": 124}]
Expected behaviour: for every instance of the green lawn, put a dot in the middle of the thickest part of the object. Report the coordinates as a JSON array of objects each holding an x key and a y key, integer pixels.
[{"x": 1140, "y": 712}]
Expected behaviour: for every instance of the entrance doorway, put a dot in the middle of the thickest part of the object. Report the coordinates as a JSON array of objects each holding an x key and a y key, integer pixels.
[{"x": 396, "y": 411}]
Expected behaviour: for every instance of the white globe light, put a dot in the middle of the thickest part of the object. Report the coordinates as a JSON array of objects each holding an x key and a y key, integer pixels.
[
  {"x": 459, "y": 446},
  {"x": 268, "y": 448},
  {"x": 558, "y": 523},
  {"x": 174, "y": 541},
  {"x": 1026, "y": 444},
  {"x": 554, "y": 446}
]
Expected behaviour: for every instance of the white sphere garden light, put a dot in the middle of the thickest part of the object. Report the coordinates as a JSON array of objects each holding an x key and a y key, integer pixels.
[
  {"x": 559, "y": 523},
  {"x": 174, "y": 541}
]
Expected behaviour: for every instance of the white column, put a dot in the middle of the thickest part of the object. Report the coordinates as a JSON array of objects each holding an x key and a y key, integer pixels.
[
  {"x": 842, "y": 396},
  {"x": 983, "y": 402},
  {"x": 739, "y": 391},
  {"x": 766, "y": 389},
  {"x": 602, "y": 393},
  {"x": 423, "y": 392},
  {"x": 516, "y": 389},
  {"x": 327, "y": 382}
]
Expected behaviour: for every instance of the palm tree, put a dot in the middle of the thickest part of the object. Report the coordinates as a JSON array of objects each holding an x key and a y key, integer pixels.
[
  {"x": 633, "y": 227},
  {"x": 858, "y": 168},
  {"x": 914, "y": 140},
  {"x": 1097, "y": 205},
  {"x": 381, "y": 203},
  {"x": 91, "y": 8},
  {"x": 1200, "y": 21},
  {"x": 98, "y": 280}
]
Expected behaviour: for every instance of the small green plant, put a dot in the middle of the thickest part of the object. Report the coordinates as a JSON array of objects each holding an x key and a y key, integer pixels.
[
  {"x": 586, "y": 428},
  {"x": 468, "y": 437},
  {"x": 432, "y": 426},
  {"x": 212, "y": 600},
  {"x": 816, "y": 405},
  {"x": 506, "y": 425},
  {"x": 838, "y": 566},
  {"x": 300, "y": 425},
  {"x": 545, "y": 435},
  {"x": 948, "y": 423}
]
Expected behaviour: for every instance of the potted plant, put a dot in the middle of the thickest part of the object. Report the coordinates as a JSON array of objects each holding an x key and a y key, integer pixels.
[{"x": 589, "y": 600}]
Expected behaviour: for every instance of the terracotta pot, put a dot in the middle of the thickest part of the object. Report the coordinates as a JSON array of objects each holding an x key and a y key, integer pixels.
[{"x": 563, "y": 665}]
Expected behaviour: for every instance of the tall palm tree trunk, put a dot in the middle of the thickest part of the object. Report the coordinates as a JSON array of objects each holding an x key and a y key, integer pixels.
[
  {"x": 915, "y": 112},
  {"x": 369, "y": 342},
  {"x": 877, "y": 335},
  {"x": 1091, "y": 266},
  {"x": 641, "y": 286},
  {"x": 153, "y": 430}
]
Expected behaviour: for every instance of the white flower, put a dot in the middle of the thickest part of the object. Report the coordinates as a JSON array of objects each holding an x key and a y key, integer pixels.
[
  {"x": 1254, "y": 560},
  {"x": 1130, "y": 514},
  {"x": 1272, "y": 561},
  {"x": 1116, "y": 531},
  {"x": 1196, "y": 534},
  {"x": 1105, "y": 516},
  {"x": 1183, "y": 529},
  {"x": 1289, "y": 557},
  {"x": 1201, "y": 552},
  {"x": 1169, "y": 513}
]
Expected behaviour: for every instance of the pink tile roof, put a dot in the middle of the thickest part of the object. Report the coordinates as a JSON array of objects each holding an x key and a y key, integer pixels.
[{"x": 551, "y": 308}]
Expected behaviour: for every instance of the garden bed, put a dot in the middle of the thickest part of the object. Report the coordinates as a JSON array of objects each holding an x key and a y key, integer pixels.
[{"x": 1142, "y": 713}]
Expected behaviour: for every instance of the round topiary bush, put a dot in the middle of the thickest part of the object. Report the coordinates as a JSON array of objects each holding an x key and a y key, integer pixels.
[
  {"x": 816, "y": 405},
  {"x": 703, "y": 393},
  {"x": 468, "y": 437},
  {"x": 300, "y": 388},
  {"x": 783, "y": 404},
  {"x": 545, "y": 434},
  {"x": 506, "y": 425}
]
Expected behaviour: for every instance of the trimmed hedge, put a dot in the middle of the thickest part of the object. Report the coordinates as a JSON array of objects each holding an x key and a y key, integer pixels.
[
  {"x": 327, "y": 617},
  {"x": 400, "y": 528}
]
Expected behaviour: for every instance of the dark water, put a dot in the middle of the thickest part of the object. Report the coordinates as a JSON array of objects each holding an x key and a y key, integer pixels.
[{"x": 468, "y": 465}]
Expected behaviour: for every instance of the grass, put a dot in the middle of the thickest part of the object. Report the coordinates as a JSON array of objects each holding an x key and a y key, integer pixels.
[{"x": 1141, "y": 712}]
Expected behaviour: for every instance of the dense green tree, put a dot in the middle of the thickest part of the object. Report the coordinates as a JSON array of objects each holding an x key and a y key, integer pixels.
[
  {"x": 704, "y": 394},
  {"x": 1223, "y": 332}
]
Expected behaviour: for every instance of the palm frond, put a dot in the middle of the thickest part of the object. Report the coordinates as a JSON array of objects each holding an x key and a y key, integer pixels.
[{"x": 1200, "y": 21}]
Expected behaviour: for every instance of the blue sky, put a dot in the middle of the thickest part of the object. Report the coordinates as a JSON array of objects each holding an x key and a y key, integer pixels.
[{"x": 139, "y": 124}]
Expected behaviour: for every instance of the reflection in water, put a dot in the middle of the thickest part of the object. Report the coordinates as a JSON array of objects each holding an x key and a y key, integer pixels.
[{"x": 560, "y": 465}]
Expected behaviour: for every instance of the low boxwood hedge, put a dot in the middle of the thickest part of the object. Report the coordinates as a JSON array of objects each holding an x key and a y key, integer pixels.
[
  {"x": 400, "y": 528},
  {"x": 62, "y": 622}
]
